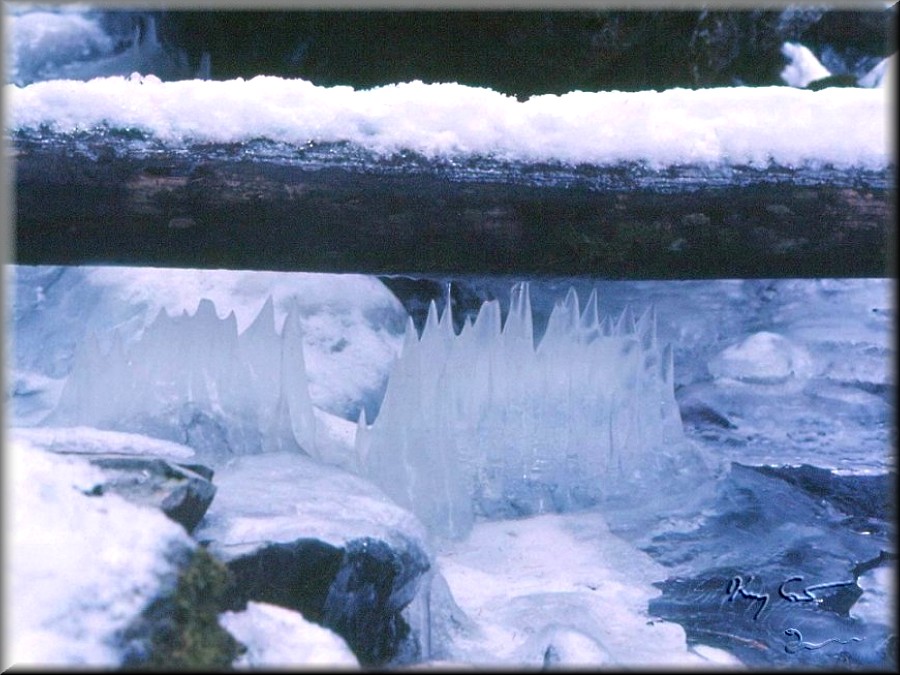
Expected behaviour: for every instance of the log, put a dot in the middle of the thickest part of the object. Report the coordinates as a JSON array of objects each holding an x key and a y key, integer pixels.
[{"x": 121, "y": 198}]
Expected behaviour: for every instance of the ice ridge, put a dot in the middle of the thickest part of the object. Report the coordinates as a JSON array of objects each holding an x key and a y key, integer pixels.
[
  {"x": 485, "y": 423},
  {"x": 194, "y": 380}
]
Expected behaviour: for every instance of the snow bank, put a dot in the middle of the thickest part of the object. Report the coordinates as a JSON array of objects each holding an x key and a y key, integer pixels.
[
  {"x": 737, "y": 126},
  {"x": 80, "y": 568}
]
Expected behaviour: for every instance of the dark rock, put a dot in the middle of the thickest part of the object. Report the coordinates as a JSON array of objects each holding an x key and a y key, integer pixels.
[
  {"x": 182, "y": 491},
  {"x": 187, "y": 503},
  {"x": 295, "y": 575},
  {"x": 832, "y": 81},
  {"x": 326, "y": 543},
  {"x": 863, "y": 496},
  {"x": 358, "y": 591},
  {"x": 526, "y": 52},
  {"x": 697, "y": 413},
  {"x": 364, "y": 603},
  {"x": 416, "y": 294}
]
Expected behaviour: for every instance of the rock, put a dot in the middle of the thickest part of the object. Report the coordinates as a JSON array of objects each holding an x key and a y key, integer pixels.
[
  {"x": 856, "y": 495},
  {"x": 324, "y": 542},
  {"x": 83, "y": 569},
  {"x": 374, "y": 584},
  {"x": 144, "y": 470},
  {"x": 181, "y": 492}
]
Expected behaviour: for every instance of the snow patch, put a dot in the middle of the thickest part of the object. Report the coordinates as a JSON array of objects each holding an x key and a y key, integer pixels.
[
  {"x": 88, "y": 440},
  {"x": 276, "y": 637},
  {"x": 803, "y": 66},
  {"x": 557, "y": 583}
]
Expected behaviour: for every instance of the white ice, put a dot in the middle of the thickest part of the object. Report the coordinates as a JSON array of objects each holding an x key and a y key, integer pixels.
[
  {"x": 878, "y": 602},
  {"x": 488, "y": 422},
  {"x": 732, "y": 126},
  {"x": 77, "y": 568},
  {"x": 563, "y": 584},
  {"x": 276, "y": 637},
  {"x": 352, "y": 324}
]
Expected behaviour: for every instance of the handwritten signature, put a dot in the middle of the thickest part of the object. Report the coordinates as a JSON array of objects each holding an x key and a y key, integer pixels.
[
  {"x": 737, "y": 587},
  {"x": 795, "y": 643},
  {"x": 793, "y": 638}
]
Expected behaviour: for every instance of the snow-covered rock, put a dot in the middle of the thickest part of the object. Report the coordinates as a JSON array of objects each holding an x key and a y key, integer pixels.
[
  {"x": 323, "y": 541},
  {"x": 803, "y": 66},
  {"x": 133, "y": 470},
  {"x": 762, "y": 358},
  {"x": 80, "y": 568}
]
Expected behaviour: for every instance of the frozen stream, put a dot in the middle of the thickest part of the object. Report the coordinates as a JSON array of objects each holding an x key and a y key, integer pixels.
[{"x": 766, "y": 372}]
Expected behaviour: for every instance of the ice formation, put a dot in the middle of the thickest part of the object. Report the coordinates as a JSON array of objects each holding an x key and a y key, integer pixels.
[
  {"x": 485, "y": 423},
  {"x": 194, "y": 380}
]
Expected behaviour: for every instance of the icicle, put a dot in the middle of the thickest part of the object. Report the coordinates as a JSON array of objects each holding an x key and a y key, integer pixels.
[
  {"x": 295, "y": 383},
  {"x": 362, "y": 440}
]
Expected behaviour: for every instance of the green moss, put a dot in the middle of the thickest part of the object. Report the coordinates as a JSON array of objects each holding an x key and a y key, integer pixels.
[{"x": 181, "y": 631}]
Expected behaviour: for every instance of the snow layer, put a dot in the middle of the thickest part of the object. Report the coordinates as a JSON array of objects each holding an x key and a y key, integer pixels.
[
  {"x": 87, "y": 440},
  {"x": 79, "y": 568},
  {"x": 276, "y": 637},
  {"x": 282, "y": 497},
  {"x": 737, "y": 126},
  {"x": 560, "y": 589}
]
